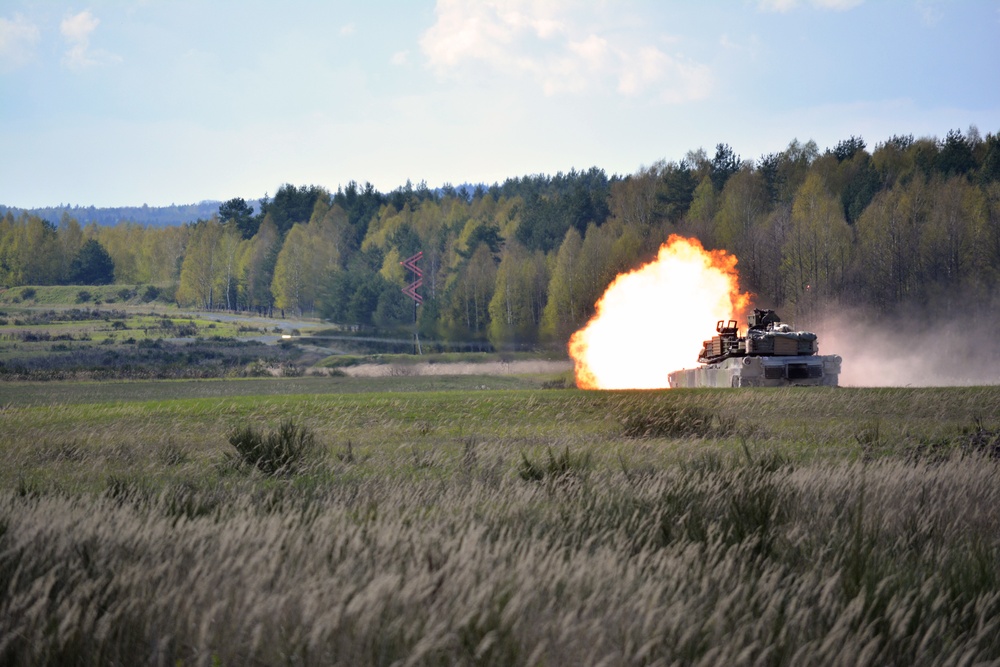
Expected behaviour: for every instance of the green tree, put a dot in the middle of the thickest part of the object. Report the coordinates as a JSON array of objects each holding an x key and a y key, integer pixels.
[
  {"x": 258, "y": 267},
  {"x": 34, "y": 252},
  {"x": 595, "y": 268},
  {"x": 817, "y": 251},
  {"x": 955, "y": 157},
  {"x": 887, "y": 242},
  {"x": 893, "y": 160},
  {"x": 950, "y": 242},
  {"x": 469, "y": 291},
  {"x": 292, "y": 205},
  {"x": 202, "y": 266},
  {"x": 725, "y": 163},
  {"x": 636, "y": 200},
  {"x": 292, "y": 275},
  {"x": 71, "y": 240},
  {"x": 307, "y": 256},
  {"x": 124, "y": 243},
  {"x": 394, "y": 309},
  {"x": 792, "y": 167},
  {"x": 772, "y": 236},
  {"x": 240, "y": 213},
  {"x": 92, "y": 265},
  {"x": 989, "y": 169},
  {"x": 700, "y": 218},
  {"x": 742, "y": 205},
  {"x": 162, "y": 253},
  {"x": 513, "y": 309},
  {"x": 231, "y": 244},
  {"x": 564, "y": 307},
  {"x": 8, "y": 258}
]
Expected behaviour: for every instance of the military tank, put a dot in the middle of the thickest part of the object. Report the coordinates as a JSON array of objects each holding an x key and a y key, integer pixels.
[{"x": 769, "y": 355}]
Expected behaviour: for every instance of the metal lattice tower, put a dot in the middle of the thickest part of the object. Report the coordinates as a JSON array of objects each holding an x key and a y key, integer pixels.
[{"x": 411, "y": 289}]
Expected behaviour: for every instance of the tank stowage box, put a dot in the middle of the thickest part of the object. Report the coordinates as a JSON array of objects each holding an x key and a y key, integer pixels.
[{"x": 770, "y": 355}]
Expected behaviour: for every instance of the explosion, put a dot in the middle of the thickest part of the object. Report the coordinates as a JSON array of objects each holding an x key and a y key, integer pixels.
[{"x": 652, "y": 320}]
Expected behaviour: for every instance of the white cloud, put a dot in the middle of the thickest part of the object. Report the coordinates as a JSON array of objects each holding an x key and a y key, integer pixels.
[
  {"x": 400, "y": 58},
  {"x": 782, "y": 6},
  {"x": 76, "y": 30},
  {"x": 18, "y": 37},
  {"x": 348, "y": 30},
  {"x": 837, "y": 5},
  {"x": 562, "y": 46}
]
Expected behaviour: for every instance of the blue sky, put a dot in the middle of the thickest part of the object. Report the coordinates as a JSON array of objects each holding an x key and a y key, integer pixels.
[{"x": 117, "y": 103}]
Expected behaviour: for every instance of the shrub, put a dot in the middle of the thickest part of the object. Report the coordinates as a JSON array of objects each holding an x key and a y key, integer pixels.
[
  {"x": 256, "y": 369},
  {"x": 150, "y": 294},
  {"x": 83, "y": 296},
  {"x": 978, "y": 439},
  {"x": 28, "y": 293},
  {"x": 668, "y": 421},
  {"x": 564, "y": 381},
  {"x": 277, "y": 452},
  {"x": 554, "y": 466},
  {"x": 168, "y": 294}
]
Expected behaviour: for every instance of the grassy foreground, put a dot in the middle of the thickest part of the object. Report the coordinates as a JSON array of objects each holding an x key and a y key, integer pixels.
[{"x": 498, "y": 527}]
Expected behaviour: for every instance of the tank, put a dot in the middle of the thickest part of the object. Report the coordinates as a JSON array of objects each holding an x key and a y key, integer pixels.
[{"x": 769, "y": 355}]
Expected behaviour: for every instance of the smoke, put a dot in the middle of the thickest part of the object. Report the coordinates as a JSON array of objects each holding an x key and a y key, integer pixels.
[{"x": 911, "y": 350}]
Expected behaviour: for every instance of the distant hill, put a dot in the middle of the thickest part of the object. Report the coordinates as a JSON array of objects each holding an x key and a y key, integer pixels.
[{"x": 147, "y": 216}]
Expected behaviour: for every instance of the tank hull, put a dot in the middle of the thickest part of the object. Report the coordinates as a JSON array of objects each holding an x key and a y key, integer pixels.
[{"x": 762, "y": 371}]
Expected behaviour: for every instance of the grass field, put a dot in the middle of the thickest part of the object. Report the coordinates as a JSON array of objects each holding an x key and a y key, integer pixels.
[
  {"x": 63, "y": 340},
  {"x": 404, "y": 519},
  {"x": 485, "y": 520}
]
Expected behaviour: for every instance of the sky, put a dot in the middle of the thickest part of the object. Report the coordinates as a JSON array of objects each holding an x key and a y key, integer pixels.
[{"x": 158, "y": 102}]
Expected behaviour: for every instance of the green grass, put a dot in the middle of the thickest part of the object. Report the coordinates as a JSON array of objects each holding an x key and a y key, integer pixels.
[
  {"x": 485, "y": 520},
  {"x": 69, "y": 393},
  {"x": 108, "y": 342},
  {"x": 382, "y": 417},
  {"x": 67, "y": 295},
  {"x": 347, "y": 360}
]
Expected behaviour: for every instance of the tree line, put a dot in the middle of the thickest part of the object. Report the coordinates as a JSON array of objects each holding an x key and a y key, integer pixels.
[
  {"x": 145, "y": 215},
  {"x": 912, "y": 223}
]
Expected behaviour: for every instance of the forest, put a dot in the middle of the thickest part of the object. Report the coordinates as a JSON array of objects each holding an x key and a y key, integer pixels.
[{"x": 912, "y": 224}]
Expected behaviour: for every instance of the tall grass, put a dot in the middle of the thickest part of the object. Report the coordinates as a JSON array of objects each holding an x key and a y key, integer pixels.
[
  {"x": 276, "y": 452},
  {"x": 500, "y": 528},
  {"x": 735, "y": 563}
]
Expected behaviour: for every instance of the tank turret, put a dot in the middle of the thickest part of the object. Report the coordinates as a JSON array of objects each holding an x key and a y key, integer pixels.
[
  {"x": 769, "y": 354},
  {"x": 766, "y": 336}
]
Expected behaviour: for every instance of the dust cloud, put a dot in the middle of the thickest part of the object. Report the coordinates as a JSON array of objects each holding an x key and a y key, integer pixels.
[{"x": 908, "y": 350}]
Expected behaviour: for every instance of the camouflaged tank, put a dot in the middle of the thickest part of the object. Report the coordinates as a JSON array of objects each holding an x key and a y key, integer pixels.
[{"x": 769, "y": 355}]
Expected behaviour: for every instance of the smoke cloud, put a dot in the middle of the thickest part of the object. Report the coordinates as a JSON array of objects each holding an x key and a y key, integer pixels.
[{"x": 911, "y": 350}]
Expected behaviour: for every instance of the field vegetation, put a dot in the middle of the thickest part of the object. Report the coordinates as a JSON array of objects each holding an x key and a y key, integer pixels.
[
  {"x": 411, "y": 520},
  {"x": 54, "y": 336}
]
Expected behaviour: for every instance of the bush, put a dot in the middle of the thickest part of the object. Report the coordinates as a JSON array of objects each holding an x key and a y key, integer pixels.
[
  {"x": 150, "y": 294},
  {"x": 667, "y": 421},
  {"x": 28, "y": 293},
  {"x": 277, "y": 452},
  {"x": 168, "y": 294},
  {"x": 83, "y": 296},
  {"x": 555, "y": 466}
]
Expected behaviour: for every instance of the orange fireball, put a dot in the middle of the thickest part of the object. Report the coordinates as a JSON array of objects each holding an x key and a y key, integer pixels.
[{"x": 652, "y": 320}]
